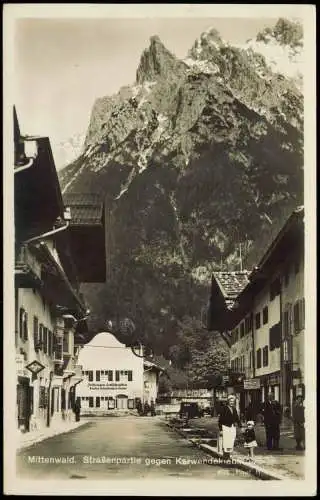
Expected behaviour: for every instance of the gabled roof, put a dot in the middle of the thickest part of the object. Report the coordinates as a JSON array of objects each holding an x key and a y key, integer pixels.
[
  {"x": 86, "y": 208},
  {"x": 231, "y": 284}
]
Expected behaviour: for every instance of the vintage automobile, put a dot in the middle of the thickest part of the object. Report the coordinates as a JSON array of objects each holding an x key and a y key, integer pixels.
[{"x": 190, "y": 410}]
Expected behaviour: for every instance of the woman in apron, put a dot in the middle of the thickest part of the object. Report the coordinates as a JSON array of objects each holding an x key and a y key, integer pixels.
[{"x": 228, "y": 420}]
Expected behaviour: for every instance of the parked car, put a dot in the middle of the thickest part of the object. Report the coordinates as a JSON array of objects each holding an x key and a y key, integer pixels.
[{"x": 190, "y": 410}]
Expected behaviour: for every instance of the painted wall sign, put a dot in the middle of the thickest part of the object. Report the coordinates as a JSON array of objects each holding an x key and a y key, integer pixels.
[{"x": 97, "y": 386}]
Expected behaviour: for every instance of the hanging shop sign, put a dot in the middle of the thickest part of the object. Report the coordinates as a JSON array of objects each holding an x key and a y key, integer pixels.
[
  {"x": 35, "y": 367},
  {"x": 250, "y": 384}
]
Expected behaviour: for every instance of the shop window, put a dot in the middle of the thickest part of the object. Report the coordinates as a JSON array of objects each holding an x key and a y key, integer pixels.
[
  {"x": 258, "y": 320},
  {"x": 43, "y": 397},
  {"x": 259, "y": 358},
  {"x": 97, "y": 402},
  {"x": 90, "y": 376},
  {"x": 111, "y": 404},
  {"x": 275, "y": 336},
  {"x": 265, "y": 315},
  {"x": 265, "y": 356},
  {"x": 97, "y": 376},
  {"x": 130, "y": 404},
  {"x": 242, "y": 330},
  {"x": 63, "y": 399},
  {"x": 90, "y": 402}
]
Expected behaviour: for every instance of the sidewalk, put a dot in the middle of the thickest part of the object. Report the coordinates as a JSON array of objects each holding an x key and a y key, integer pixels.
[
  {"x": 289, "y": 462},
  {"x": 31, "y": 438}
]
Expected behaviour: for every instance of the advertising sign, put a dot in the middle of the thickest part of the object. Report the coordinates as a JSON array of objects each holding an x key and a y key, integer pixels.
[{"x": 253, "y": 383}]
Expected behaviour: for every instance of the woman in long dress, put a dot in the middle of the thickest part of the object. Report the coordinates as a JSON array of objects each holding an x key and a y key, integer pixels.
[{"x": 228, "y": 420}]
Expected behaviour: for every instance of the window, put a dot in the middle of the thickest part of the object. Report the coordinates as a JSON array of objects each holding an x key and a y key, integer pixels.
[
  {"x": 45, "y": 339},
  {"x": 237, "y": 334},
  {"x": 250, "y": 359},
  {"x": 97, "y": 375},
  {"x": 286, "y": 350},
  {"x": 265, "y": 315},
  {"x": 242, "y": 330},
  {"x": 110, "y": 376},
  {"x": 23, "y": 324},
  {"x": 299, "y": 315},
  {"x": 275, "y": 336},
  {"x": 97, "y": 402},
  {"x": 43, "y": 398},
  {"x": 117, "y": 376},
  {"x": 91, "y": 401},
  {"x": 41, "y": 335},
  {"x": 258, "y": 320},
  {"x": 286, "y": 276},
  {"x": 130, "y": 376},
  {"x": 35, "y": 331},
  {"x": 265, "y": 356},
  {"x": 130, "y": 404},
  {"x": 247, "y": 325},
  {"x": 275, "y": 288},
  {"x": 259, "y": 358},
  {"x": 90, "y": 376},
  {"x": 66, "y": 341}
]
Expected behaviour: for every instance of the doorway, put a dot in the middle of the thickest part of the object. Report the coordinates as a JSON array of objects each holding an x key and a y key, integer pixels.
[
  {"x": 24, "y": 403},
  {"x": 122, "y": 402}
]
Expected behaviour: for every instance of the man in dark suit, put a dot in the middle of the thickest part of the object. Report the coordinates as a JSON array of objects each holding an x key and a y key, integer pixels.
[{"x": 272, "y": 414}]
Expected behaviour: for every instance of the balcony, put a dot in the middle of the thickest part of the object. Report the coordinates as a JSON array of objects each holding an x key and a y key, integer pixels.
[{"x": 27, "y": 268}]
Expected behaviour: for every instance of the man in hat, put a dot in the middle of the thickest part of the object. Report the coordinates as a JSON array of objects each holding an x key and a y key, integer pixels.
[{"x": 271, "y": 410}]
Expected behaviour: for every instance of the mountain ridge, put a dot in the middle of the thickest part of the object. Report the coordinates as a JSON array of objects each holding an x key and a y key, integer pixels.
[{"x": 195, "y": 157}]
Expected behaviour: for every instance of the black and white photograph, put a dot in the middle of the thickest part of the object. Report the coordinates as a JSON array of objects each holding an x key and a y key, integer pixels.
[{"x": 160, "y": 249}]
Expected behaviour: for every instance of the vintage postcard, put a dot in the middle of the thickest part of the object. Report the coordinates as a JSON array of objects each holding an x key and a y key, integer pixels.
[{"x": 160, "y": 250}]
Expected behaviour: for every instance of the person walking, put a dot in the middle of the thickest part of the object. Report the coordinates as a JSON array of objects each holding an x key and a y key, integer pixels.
[
  {"x": 298, "y": 423},
  {"x": 271, "y": 411},
  {"x": 77, "y": 409},
  {"x": 228, "y": 419},
  {"x": 152, "y": 408},
  {"x": 146, "y": 409},
  {"x": 250, "y": 438}
]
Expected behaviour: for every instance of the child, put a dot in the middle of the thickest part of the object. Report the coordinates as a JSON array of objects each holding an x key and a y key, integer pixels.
[{"x": 250, "y": 438}]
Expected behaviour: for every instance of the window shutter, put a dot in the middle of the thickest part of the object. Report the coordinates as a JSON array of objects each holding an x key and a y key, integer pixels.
[
  {"x": 25, "y": 326},
  {"x": 35, "y": 331},
  {"x": 290, "y": 319},
  {"x": 302, "y": 314}
]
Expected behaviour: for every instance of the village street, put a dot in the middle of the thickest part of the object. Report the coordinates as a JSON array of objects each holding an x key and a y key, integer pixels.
[{"x": 144, "y": 447}]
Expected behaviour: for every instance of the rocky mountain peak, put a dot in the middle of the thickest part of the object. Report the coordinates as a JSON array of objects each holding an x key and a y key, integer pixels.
[{"x": 157, "y": 62}]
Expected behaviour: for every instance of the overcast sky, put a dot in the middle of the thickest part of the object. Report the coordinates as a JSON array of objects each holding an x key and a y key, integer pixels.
[{"x": 63, "y": 65}]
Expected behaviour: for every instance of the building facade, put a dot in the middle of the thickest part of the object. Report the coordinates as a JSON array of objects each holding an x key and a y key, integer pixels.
[
  {"x": 48, "y": 304},
  {"x": 114, "y": 378},
  {"x": 266, "y": 321}
]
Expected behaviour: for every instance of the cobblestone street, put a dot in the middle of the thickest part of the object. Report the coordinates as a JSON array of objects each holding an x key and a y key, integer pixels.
[{"x": 151, "y": 450}]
